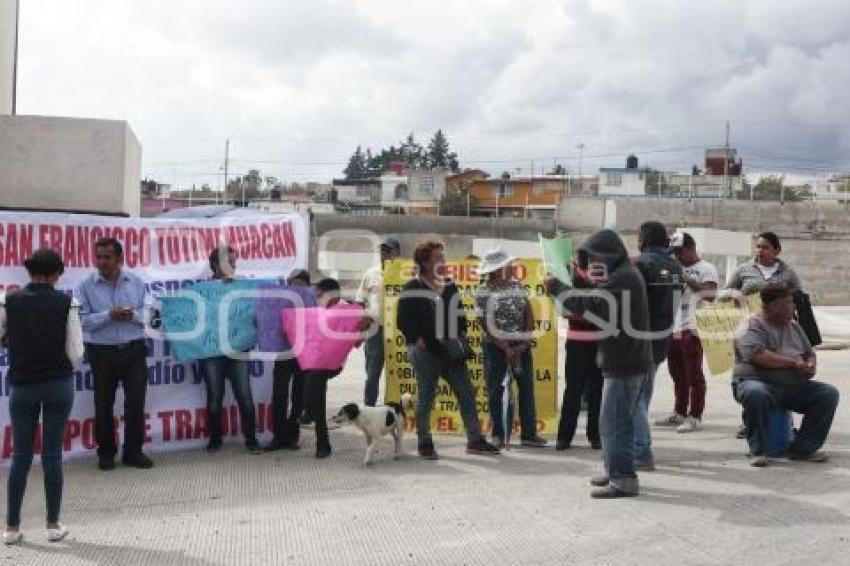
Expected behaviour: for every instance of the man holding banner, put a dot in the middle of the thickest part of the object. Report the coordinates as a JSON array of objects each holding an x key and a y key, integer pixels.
[
  {"x": 111, "y": 310},
  {"x": 370, "y": 294},
  {"x": 217, "y": 369}
]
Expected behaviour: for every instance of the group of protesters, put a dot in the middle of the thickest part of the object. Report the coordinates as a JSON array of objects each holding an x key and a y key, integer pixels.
[{"x": 650, "y": 300}]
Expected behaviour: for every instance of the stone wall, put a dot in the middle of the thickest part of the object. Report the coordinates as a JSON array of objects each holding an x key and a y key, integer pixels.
[{"x": 815, "y": 236}]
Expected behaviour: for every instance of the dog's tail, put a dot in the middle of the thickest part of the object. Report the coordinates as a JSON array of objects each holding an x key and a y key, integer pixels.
[{"x": 401, "y": 408}]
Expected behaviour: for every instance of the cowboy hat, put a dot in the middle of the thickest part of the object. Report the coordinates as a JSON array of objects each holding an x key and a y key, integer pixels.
[{"x": 494, "y": 260}]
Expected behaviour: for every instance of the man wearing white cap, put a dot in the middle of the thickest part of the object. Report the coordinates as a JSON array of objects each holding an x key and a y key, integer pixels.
[
  {"x": 371, "y": 295},
  {"x": 507, "y": 322},
  {"x": 684, "y": 358}
]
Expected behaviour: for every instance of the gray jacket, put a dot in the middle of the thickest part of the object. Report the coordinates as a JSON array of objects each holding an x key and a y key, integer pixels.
[{"x": 749, "y": 279}]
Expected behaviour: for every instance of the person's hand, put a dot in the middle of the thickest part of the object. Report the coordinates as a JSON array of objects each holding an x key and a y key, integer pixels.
[
  {"x": 805, "y": 369},
  {"x": 121, "y": 314},
  {"x": 365, "y": 324},
  {"x": 421, "y": 344},
  {"x": 551, "y": 282}
]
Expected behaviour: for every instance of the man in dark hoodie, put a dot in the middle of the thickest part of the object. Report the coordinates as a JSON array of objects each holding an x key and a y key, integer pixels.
[
  {"x": 617, "y": 305},
  {"x": 662, "y": 275}
]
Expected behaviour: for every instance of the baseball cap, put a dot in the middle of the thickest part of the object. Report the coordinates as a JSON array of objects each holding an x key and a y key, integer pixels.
[
  {"x": 682, "y": 240},
  {"x": 390, "y": 243}
]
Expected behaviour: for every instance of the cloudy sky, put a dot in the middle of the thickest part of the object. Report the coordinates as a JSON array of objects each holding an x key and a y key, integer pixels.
[{"x": 297, "y": 84}]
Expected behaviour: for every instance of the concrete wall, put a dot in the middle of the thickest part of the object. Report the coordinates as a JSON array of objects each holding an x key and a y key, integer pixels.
[
  {"x": 815, "y": 236},
  {"x": 69, "y": 164},
  {"x": 8, "y": 20},
  {"x": 361, "y": 235}
]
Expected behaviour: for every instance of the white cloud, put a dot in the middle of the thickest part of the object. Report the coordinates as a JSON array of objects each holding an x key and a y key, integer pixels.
[{"x": 301, "y": 83}]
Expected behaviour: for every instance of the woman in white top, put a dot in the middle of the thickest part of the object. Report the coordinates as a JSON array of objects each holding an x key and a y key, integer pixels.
[{"x": 752, "y": 276}]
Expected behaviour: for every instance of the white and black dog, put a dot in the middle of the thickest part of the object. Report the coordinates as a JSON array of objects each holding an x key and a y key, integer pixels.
[{"x": 376, "y": 422}]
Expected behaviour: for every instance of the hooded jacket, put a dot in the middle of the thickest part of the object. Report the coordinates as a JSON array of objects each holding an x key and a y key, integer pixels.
[
  {"x": 618, "y": 306},
  {"x": 662, "y": 275}
]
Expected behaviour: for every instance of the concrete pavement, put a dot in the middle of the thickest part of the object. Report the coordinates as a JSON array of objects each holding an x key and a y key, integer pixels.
[{"x": 704, "y": 505}]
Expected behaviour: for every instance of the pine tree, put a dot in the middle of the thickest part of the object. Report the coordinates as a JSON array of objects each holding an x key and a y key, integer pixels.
[
  {"x": 439, "y": 153},
  {"x": 412, "y": 154},
  {"x": 357, "y": 167}
]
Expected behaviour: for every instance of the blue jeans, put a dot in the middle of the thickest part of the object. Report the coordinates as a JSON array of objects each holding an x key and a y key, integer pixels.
[
  {"x": 373, "y": 350},
  {"x": 617, "y": 427},
  {"x": 815, "y": 400},
  {"x": 53, "y": 401},
  {"x": 428, "y": 369},
  {"x": 495, "y": 367},
  {"x": 216, "y": 370},
  {"x": 643, "y": 434}
]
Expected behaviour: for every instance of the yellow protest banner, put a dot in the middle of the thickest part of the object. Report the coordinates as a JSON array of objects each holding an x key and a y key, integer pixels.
[
  {"x": 445, "y": 417},
  {"x": 717, "y": 326}
]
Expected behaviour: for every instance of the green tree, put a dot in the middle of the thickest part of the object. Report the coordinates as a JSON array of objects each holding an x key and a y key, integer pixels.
[
  {"x": 412, "y": 154},
  {"x": 440, "y": 154},
  {"x": 457, "y": 201},
  {"x": 357, "y": 166}
]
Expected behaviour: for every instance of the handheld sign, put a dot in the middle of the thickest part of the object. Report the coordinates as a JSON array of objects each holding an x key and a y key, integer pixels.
[{"x": 193, "y": 321}]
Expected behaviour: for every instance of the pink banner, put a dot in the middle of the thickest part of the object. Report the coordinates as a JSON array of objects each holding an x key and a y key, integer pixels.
[{"x": 322, "y": 338}]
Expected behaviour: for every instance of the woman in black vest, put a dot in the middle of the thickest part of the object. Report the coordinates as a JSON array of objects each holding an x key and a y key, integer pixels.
[{"x": 42, "y": 332}]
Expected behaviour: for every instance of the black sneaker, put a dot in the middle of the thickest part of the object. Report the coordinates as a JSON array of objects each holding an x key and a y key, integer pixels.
[
  {"x": 139, "y": 461},
  {"x": 534, "y": 442},
  {"x": 106, "y": 463},
  {"x": 596, "y": 444},
  {"x": 427, "y": 452},
  {"x": 214, "y": 445},
  {"x": 322, "y": 453},
  {"x": 481, "y": 446},
  {"x": 253, "y": 446},
  {"x": 562, "y": 445}
]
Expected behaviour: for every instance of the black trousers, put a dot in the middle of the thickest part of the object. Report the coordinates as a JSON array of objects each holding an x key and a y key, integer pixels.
[
  {"x": 581, "y": 373},
  {"x": 110, "y": 366},
  {"x": 316, "y": 401},
  {"x": 286, "y": 421}
]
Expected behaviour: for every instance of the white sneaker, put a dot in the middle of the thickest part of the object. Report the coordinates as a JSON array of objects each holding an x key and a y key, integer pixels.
[
  {"x": 691, "y": 424},
  {"x": 673, "y": 420},
  {"x": 758, "y": 461},
  {"x": 12, "y": 537},
  {"x": 57, "y": 534}
]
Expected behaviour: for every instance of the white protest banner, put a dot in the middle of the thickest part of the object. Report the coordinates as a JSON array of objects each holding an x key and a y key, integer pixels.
[{"x": 168, "y": 254}]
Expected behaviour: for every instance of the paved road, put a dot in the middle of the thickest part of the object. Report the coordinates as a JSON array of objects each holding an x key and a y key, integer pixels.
[{"x": 705, "y": 504}]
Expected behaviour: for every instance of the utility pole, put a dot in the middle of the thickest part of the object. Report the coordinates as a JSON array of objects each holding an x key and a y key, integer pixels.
[
  {"x": 726, "y": 186},
  {"x": 580, "y": 148},
  {"x": 15, "y": 58},
  {"x": 226, "y": 165}
]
